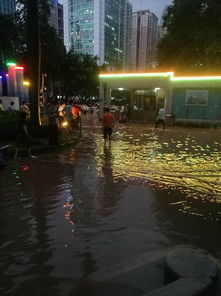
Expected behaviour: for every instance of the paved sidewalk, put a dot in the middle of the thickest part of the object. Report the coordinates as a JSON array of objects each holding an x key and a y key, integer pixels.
[{"x": 64, "y": 142}]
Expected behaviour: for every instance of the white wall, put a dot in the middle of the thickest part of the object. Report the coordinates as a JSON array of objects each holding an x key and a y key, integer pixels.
[{"x": 7, "y": 100}]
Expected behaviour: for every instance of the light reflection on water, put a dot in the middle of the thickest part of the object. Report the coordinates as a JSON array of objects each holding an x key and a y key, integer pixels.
[
  {"x": 186, "y": 166},
  {"x": 71, "y": 213}
]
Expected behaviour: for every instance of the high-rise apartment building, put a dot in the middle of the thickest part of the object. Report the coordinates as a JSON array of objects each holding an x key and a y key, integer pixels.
[
  {"x": 66, "y": 23},
  {"x": 144, "y": 40},
  {"x": 60, "y": 21},
  {"x": 56, "y": 17},
  {"x": 7, "y": 7},
  {"x": 101, "y": 28}
]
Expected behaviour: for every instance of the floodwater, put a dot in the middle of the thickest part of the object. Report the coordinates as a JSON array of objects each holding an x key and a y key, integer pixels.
[{"x": 81, "y": 210}]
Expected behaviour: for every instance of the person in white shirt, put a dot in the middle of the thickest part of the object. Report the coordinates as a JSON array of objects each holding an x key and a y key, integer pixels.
[
  {"x": 1, "y": 107},
  {"x": 60, "y": 113},
  {"x": 161, "y": 117},
  {"x": 68, "y": 116},
  {"x": 11, "y": 107},
  {"x": 24, "y": 108}
]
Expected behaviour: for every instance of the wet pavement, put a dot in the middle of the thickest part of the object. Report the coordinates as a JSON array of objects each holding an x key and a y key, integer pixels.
[{"x": 81, "y": 210}]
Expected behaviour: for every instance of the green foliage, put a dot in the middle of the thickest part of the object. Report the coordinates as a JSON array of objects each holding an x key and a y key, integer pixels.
[
  {"x": 80, "y": 75},
  {"x": 11, "y": 39},
  {"x": 192, "y": 42},
  {"x": 52, "y": 52},
  {"x": 69, "y": 74},
  {"x": 8, "y": 123},
  {"x": 8, "y": 118}
]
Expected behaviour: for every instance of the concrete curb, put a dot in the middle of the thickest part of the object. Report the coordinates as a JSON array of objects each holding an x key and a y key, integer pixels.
[
  {"x": 187, "y": 286},
  {"x": 191, "y": 262},
  {"x": 44, "y": 148},
  {"x": 173, "y": 271},
  {"x": 191, "y": 271}
]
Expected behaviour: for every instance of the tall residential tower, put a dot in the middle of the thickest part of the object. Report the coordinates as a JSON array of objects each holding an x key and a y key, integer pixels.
[
  {"x": 144, "y": 40},
  {"x": 101, "y": 28},
  {"x": 56, "y": 19}
]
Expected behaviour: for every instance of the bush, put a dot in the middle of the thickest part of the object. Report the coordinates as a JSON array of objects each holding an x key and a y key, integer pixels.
[{"x": 8, "y": 124}]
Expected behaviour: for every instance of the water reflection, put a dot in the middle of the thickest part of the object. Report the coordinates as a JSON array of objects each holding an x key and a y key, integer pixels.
[
  {"x": 110, "y": 190},
  {"x": 69, "y": 214},
  {"x": 26, "y": 241},
  {"x": 188, "y": 221},
  {"x": 185, "y": 165}
]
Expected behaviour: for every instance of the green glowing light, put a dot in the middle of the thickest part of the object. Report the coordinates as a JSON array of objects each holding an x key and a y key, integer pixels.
[
  {"x": 133, "y": 75},
  {"x": 165, "y": 74},
  {"x": 11, "y": 64},
  {"x": 199, "y": 78}
]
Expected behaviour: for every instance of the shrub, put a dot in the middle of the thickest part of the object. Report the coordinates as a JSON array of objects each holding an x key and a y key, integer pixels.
[{"x": 8, "y": 124}]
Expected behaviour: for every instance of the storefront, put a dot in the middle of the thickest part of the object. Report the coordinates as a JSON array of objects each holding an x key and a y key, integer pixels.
[
  {"x": 148, "y": 91},
  {"x": 184, "y": 98},
  {"x": 196, "y": 99}
]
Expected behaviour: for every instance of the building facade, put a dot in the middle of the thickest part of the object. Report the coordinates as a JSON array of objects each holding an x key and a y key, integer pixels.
[
  {"x": 56, "y": 19},
  {"x": 60, "y": 21},
  {"x": 66, "y": 23},
  {"x": 101, "y": 28},
  {"x": 186, "y": 99},
  {"x": 144, "y": 40},
  {"x": 7, "y": 7}
]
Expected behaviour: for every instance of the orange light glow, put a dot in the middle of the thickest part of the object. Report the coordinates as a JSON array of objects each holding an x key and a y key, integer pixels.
[{"x": 65, "y": 124}]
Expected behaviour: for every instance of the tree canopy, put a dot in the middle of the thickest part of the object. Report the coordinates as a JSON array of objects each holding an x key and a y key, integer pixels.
[
  {"x": 80, "y": 75},
  {"x": 192, "y": 42},
  {"x": 68, "y": 74}
]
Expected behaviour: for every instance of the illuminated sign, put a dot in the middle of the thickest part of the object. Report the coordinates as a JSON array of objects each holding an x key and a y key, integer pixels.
[{"x": 166, "y": 74}]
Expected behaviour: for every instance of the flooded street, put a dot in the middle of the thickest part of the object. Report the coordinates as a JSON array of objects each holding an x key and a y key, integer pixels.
[{"x": 80, "y": 210}]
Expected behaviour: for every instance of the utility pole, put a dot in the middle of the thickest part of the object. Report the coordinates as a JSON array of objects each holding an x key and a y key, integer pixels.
[{"x": 33, "y": 43}]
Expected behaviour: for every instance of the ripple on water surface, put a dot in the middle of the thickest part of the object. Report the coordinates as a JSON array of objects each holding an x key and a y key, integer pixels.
[{"x": 182, "y": 164}]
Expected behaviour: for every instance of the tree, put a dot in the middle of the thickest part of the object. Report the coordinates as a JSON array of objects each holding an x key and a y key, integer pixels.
[
  {"x": 80, "y": 75},
  {"x": 192, "y": 42},
  {"x": 52, "y": 55},
  {"x": 89, "y": 76},
  {"x": 34, "y": 42},
  {"x": 33, "y": 49},
  {"x": 11, "y": 39}
]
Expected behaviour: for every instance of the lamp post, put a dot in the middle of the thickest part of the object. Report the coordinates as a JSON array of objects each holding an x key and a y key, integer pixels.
[
  {"x": 33, "y": 59},
  {"x": 1, "y": 88},
  {"x": 19, "y": 71},
  {"x": 26, "y": 86}
]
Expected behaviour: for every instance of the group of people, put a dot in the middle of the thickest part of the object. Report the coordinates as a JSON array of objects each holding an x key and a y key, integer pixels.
[
  {"x": 11, "y": 108},
  {"x": 66, "y": 115}
]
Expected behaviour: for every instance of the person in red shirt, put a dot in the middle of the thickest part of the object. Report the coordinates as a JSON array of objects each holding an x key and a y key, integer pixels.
[
  {"x": 76, "y": 112},
  {"x": 108, "y": 124}
]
